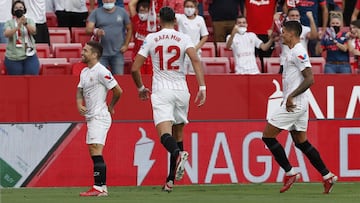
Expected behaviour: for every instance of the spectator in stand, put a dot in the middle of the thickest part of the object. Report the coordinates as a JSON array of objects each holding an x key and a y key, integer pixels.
[
  {"x": 261, "y": 11},
  {"x": 354, "y": 43},
  {"x": 107, "y": 24},
  {"x": 119, "y": 3},
  {"x": 5, "y": 15},
  {"x": 348, "y": 9},
  {"x": 306, "y": 34},
  {"x": 223, "y": 13},
  {"x": 243, "y": 44},
  {"x": 139, "y": 11},
  {"x": 72, "y": 13},
  {"x": 355, "y": 13},
  {"x": 193, "y": 25},
  {"x": 37, "y": 12},
  {"x": 313, "y": 6},
  {"x": 334, "y": 42},
  {"x": 20, "y": 55}
]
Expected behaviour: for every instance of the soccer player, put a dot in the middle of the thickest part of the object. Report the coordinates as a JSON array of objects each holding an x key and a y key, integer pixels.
[
  {"x": 170, "y": 95},
  {"x": 293, "y": 114},
  {"x": 95, "y": 81}
]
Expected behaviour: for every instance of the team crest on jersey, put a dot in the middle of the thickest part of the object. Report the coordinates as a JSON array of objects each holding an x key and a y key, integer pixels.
[
  {"x": 108, "y": 77},
  {"x": 303, "y": 58}
]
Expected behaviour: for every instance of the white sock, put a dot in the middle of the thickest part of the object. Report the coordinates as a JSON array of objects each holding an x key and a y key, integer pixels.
[
  {"x": 99, "y": 188},
  {"x": 291, "y": 172},
  {"x": 327, "y": 176}
]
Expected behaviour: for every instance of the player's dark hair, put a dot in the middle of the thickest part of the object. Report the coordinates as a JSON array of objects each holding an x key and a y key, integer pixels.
[
  {"x": 167, "y": 15},
  {"x": 96, "y": 47},
  {"x": 142, "y": 3},
  {"x": 293, "y": 25},
  {"x": 293, "y": 9}
]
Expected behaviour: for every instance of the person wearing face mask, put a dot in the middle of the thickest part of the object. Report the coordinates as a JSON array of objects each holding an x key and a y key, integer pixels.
[
  {"x": 20, "y": 55},
  {"x": 119, "y": 3},
  {"x": 335, "y": 43},
  {"x": 139, "y": 11},
  {"x": 111, "y": 26},
  {"x": 243, "y": 45},
  {"x": 193, "y": 25}
]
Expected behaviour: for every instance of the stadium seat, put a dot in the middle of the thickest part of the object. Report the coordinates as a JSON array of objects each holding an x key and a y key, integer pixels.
[
  {"x": 64, "y": 50},
  {"x": 272, "y": 65},
  {"x": 51, "y": 19},
  {"x": 2, "y": 51},
  {"x": 77, "y": 68},
  {"x": 43, "y": 50},
  {"x": 318, "y": 64},
  {"x": 55, "y": 69},
  {"x": 59, "y": 35},
  {"x": 208, "y": 50},
  {"x": 2, "y": 68},
  {"x": 52, "y": 60},
  {"x": 127, "y": 65},
  {"x": 223, "y": 51},
  {"x": 78, "y": 35},
  {"x": 215, "y": 65},
  {"x": 129, "y": 51}
]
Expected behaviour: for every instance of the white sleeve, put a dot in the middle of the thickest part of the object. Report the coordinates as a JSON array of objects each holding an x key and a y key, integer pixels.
[
  {"x": 203, "y": 28},
  {"x": 107, "y": 79},
  {"x": 145, "y": 47}
]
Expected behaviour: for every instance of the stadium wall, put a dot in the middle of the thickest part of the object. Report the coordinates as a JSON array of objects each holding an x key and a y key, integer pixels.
[{"x": 42, "y": 136}]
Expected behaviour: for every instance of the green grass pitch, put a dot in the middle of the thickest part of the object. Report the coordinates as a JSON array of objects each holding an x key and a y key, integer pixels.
[{"x": 245, "y": 193}]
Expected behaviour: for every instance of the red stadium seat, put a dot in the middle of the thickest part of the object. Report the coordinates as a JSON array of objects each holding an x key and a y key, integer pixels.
[
  {"x": 77, "y": 68},
  {"x": 2, "y": 68},
  {"x": 208, "y": 50},
  {"x": 51, "y": 19},
  {"x": 129, "y": 52},
  {"x": 78, "y": 35},
  {"x": 52, "y": 60},
  {"x": 318, "y": 64},
  {"x": 215, "y": 65},
  {"x": 63, "y": 50},
  {"x": 43, "y": 50},
  {"x": 2, "y": 51},
  {"x": 127, "y": 65},
  {"x": 55, "y": 69},
  {"x": 59, "y": 35},
  {"x": 223, "y": 51},
  {"x": 272, "y": 65}
]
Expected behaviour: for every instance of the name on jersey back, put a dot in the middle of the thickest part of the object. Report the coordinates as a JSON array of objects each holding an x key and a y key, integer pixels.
[{"x": 171, "y": 37}]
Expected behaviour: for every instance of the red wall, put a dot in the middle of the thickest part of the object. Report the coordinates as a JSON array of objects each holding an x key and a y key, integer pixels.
[{"x": 229, "y": 97}]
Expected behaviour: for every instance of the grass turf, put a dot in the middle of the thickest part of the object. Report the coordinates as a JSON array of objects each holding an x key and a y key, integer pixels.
[{"x": 246, "y": 193}]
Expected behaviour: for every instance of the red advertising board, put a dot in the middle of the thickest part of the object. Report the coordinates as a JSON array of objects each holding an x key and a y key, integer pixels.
[{"x": 220, "y": 152}]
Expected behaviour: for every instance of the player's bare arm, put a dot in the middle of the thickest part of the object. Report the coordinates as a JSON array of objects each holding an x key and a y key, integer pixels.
[
  {"x": 80, "y": 101},
  {"x": 306, "y": 83},
  {"x": 201, "y": 95},
  {"x": 117, "y": 91},
  {"x": 144, "y": 93}
]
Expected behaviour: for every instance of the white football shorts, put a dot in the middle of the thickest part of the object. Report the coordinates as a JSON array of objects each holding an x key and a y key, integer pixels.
[
  {"x": 170, "y": 105},
  {"x": 297, "y": 120},
  {"x": 97, "y": 129}
]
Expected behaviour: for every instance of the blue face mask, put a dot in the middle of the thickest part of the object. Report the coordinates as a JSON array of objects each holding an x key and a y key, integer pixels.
[{"x": 108, "y": 6}]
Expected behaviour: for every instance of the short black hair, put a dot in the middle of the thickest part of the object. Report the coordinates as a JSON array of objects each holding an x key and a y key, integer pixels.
[
  {"x": 293, "y": 25},
  {"x": 13, "y": 6},
  {"x": 167, "y": 14},
  {"x": 356, "y": 23},
  {"x": 142, "y": 3},
  {"x": 96, "y": 47}
]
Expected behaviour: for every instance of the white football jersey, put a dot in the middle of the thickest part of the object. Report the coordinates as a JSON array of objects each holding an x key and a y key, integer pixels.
[
  {"x": 296, "y": 60},
  {"x": 95, "y": 82},
  {"x": 243, "y": 48},
  {"x": 167, "y": 50},
  {"x": 195, "y": 28}
]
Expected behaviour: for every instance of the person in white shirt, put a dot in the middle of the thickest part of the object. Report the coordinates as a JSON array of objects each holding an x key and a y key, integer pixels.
[
  {"x": 308, "y": 33},
  {"x": 193, "y": 25},
  {"x": 95, "y": 81},
  {"x": 72, "y": 13},
  {"x": 37, "y": 11},
  {"x": 5, "y": 15},
  {"x": 170, "y": 95},
  {"x": 293, "y": 114},
  {"x": 243, "y": 45}
]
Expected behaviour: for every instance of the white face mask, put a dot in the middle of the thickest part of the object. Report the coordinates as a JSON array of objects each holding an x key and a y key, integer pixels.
[
  {"x": 143, "y": 16},
  {"x": 242, "y": 30},
  {"x": 189, "y": 11},
  {"x": 108, "y": 6}
]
